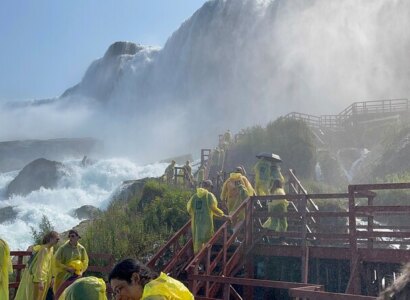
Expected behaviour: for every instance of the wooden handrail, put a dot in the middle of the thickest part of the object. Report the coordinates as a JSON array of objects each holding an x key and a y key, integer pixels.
[{"x": 20, "y": 266}]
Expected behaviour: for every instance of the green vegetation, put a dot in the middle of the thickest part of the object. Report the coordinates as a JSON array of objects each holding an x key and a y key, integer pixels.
[
  {"x": 291, "y": 139},
  {"x": 45, "y": 227},
  {"x": 138, "y": 227}
]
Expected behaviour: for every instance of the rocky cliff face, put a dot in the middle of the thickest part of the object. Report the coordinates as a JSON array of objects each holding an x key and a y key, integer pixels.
[
  {"x": 103, "y": 74},
  {"x": 247, "y": 59},
  {"x": 39, "y": 173}
]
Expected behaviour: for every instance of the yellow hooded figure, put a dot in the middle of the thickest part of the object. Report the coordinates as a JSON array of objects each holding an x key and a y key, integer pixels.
[
  {"x": 202, "y": 207},
  {"x": 278, "y": 224},
  {"x": 37, "y": 271},
  {"x": 5, "y": 269},
  {"x": 90, "y": 288},
  {"x": 68, "y": 257},
  {"x": 265, "y": 173},
  {"x": 235, "y": 190},
  {"x": 165, "y": 287}
]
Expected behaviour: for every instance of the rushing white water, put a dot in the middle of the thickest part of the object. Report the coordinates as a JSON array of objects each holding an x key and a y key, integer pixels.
[{"x": 90, "y": 185}]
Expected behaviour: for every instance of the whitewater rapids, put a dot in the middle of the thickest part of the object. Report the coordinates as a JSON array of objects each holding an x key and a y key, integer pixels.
[{"x": 90, "y": 185}]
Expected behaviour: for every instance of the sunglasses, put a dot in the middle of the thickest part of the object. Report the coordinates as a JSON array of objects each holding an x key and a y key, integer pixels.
[{"x": 72, "y": 235}]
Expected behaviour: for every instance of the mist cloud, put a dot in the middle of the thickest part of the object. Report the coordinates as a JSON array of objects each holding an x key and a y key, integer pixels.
[{"x": 233, "y": 64}]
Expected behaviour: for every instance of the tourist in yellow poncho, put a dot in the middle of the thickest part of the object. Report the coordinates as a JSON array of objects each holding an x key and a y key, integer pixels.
[
  {"x": 37, "y": 275},
  {"x": 131, "y": 280},
  {"x": 264, "y": 176},
  {"x": 90, "y": 288},
  {"x": 278, "y": 224},
  {"x": 202, "y": 207},
  {"x": 235, "y": 190},
  {"x": 70, "y": 262},
  {"x": 169, "y": 172},
  {"x": 5, "y": 269},
  {"x": 201, "y": 174}
]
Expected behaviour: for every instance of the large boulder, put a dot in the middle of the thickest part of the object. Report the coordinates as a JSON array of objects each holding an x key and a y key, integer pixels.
[
  {"x": 39, "y": 173},
  {"x": 129, "y": 189},
  {"x": 86, "y": 212}
]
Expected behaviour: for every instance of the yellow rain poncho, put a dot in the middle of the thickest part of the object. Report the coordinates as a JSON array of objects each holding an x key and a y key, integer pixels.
[
  {"x": 265, "y": 174},
  {"x": 234, "y": 191},
  {"x": 77, "y": 265},
  {"x": 202, "y": 207},
  {"x": 37, "y": 270},
  {"x": 165, "y": 287},
  {"x": 277, "y": 206},
  {"x": 86, "y": 288},
  {"x": 5, "y": 269},
  {"x": 64, "y": 258}
]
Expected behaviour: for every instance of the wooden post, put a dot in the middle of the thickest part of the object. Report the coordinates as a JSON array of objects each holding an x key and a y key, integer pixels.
[
  {"x": 370, "y": 223},
  {"x": 226, "y": 289},
  {"x": 248, "y": 290},
  {"x": 305, "y": 251},
  {"x": 354, "y": 287}
]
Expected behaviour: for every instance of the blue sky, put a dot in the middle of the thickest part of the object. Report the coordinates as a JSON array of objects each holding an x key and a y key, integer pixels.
[{"x": 46, "y": 45}]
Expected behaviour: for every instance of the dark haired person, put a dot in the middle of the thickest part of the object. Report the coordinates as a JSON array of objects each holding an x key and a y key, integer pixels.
[
  {"x": 71, "y": 261},
  {"x": 37, "y": 275},
  {"x": 131, "y": 280},
  {"x": 5, "y": 269}
]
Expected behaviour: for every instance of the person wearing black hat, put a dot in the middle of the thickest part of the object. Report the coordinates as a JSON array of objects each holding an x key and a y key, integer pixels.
[
  {"x": 71, "y": 261},
  {"x": 202, "y": 207}
]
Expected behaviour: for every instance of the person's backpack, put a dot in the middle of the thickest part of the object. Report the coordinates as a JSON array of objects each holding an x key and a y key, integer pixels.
[
  {"x": 264, "y": 171},
  {"x": 238, "y": 189}
]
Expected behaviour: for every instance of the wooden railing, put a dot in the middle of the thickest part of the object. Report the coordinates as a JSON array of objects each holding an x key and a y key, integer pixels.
[
  {"x": 212, "y": 270},
  {"x": 223, "y": 255},
  {"x": 175, "y": 254},
  {"x": 100, "y": 263}
]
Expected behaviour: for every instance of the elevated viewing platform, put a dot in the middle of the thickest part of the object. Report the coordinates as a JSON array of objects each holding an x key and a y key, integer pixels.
[
  {"x": 354, "y": 259},
  {"x": 356, "y": 113}
]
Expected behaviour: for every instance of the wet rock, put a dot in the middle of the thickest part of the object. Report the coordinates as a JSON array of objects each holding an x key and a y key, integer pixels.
[
  {"x": 86, "y": 212},
  {"x": 39, "y": 173}
]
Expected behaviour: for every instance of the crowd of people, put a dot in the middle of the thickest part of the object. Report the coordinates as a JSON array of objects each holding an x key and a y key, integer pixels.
[
  {"x": 203, "y": 205},
  {"x": 59, "y": 275}
]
